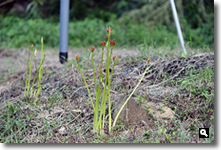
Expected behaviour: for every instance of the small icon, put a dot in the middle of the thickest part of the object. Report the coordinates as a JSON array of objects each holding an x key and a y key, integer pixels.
[{"x": 203, "y": 132}]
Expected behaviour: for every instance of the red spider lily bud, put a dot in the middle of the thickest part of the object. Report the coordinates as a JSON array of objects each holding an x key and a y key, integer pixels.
[
  {"x": 91, "y": 48},
  {"x": 112, "y": 42},
  {"x": 30, "y": 47},
  {"x": 103, "y": 44},
  {"x": 108, "y": 36},
  {"x": 114, "y": 58},
  {"x": 77, "y": 57},
  {"x": 109, "y": 30},
  {"x": 148, "y": 60},
  {"x": 100, "y": 66}
]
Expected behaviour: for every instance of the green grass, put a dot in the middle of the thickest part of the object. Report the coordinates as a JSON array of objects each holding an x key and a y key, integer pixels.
[{"x": 16, "y": 32}]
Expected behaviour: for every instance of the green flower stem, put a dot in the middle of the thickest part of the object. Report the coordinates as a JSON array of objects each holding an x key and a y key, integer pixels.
[
  {"x": 104, "y": 106},
  {"x": 35, "y": 62},
  {"x": 112, "y": 72},
  {"x": 26, "y": 81},
  {"x": 97, "y": 98},
  {"x": 29, "y": 79},
  {"x": 37, "y": 74},
  {"x": 104, "y": 97},
  {"x": 101, "y": 75},
  {"x": 109, "y": 102},
  {"x": 108, "y": 93},
  {"x": 94, "y": 73},
  {"x": 115, "y": 120},
  {"x": 111, "y": 53},
  {"x": 41, "y": 70},
  {"x": 100, "y": 85},
  {"x": 86, "y": 85},
  {"x": 102, "y": 109}
]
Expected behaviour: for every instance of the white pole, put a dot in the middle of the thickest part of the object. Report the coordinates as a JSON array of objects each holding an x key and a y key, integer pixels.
[
  {"x": 177, "y": 25},
  {"x": 64, "y": 19}
]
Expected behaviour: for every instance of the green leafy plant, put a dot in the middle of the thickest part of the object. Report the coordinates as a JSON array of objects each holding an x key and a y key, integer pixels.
[
  {"x": 140, "y": 99},
  {"x": 99, "y": 119}
]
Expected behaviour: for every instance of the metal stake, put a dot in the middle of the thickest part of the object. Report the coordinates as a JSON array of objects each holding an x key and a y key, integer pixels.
[
  {"x": 177, "y": 25},
  {"x": 64, "y": 19}
]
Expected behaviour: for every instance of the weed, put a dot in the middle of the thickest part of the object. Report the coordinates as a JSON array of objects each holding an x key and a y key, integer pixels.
[{"x": 140, "y": 99}]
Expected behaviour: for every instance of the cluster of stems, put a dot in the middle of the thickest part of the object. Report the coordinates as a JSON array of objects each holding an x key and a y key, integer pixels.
[
  {"x": 102, "y": 93},
  {"x": 39, "y": 71}
]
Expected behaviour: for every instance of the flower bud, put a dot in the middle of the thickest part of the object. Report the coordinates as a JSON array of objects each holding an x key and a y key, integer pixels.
[
  {"x": 30, "y": 47},
  {"x": 91, "y": 48},
  {"x": 108, "y": 37},
  {"x": 103, "y": 44},
  {"x": 148, "y": 60},
  {"x": 109, "y": 30},
  {"x": 100, "y": 66},
  {"x": 112, "y": 42},
  {"x": 77, "y": 57},
  {"x": 114, "y": 58}
]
